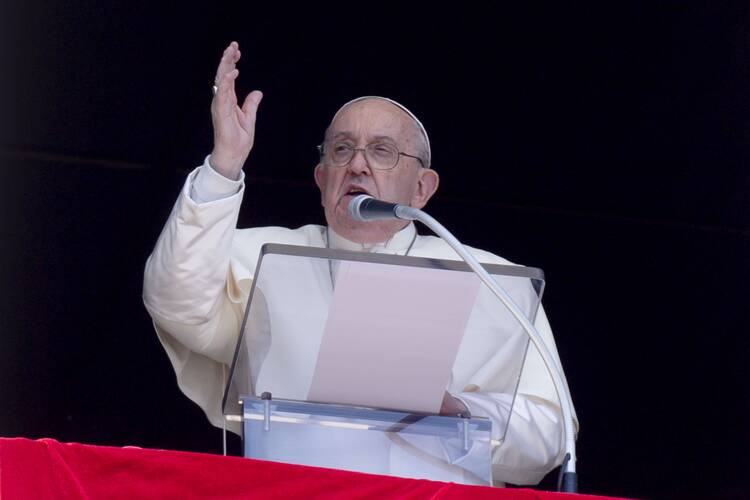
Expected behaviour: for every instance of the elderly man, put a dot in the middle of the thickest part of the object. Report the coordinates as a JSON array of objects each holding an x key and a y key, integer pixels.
[{"x": 198, "y": 277}]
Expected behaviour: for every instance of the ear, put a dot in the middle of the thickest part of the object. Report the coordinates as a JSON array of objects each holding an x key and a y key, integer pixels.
[
  {"x": 319, "y": 175},
  {"x": 426, "y": 186}
]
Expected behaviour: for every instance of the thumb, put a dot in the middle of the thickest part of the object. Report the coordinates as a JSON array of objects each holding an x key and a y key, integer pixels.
[{"x": 250, "y": 106}]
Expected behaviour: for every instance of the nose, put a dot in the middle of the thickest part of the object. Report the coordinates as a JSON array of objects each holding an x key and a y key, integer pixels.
[{"x": 358, "y": 164}]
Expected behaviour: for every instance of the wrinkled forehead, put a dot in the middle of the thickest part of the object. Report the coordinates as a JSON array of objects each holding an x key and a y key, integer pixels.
[{"x": 380, "y": 116}]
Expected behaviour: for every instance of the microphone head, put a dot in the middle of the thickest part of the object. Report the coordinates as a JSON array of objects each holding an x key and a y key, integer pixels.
[{"x": 355, "y": 204}]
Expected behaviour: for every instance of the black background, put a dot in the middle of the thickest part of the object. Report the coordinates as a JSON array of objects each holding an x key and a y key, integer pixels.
[{"x": 605, "y": 143}]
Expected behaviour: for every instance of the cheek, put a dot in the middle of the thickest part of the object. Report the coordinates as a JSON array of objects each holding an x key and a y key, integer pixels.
[
  {"x": 399, "y": 188},
  {"x": 329, "y": 189}
]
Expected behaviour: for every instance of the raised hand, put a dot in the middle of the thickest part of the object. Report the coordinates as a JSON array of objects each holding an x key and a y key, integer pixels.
[{"x": 234, "y": 126}]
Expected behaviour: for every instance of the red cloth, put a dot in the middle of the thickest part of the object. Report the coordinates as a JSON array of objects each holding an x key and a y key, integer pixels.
[{"x": 49, "y": 469}]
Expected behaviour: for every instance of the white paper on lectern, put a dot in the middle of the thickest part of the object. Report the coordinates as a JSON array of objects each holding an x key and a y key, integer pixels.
[{"x": 392, "y": 336}]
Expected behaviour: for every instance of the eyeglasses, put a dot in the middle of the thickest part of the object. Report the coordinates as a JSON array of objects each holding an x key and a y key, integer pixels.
[{"x": 379, "y": 155}]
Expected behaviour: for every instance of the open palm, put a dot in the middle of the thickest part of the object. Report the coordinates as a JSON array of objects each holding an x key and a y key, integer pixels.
[{"x": 234, "y": 126}]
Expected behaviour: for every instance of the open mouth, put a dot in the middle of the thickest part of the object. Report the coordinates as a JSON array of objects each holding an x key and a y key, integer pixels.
[
  {"x": 354, "y": 191},
  {"x": 350, "y": 193}
]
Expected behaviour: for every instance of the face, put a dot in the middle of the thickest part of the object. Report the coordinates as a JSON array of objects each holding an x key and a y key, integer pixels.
[{"x": 359, "y": 124}]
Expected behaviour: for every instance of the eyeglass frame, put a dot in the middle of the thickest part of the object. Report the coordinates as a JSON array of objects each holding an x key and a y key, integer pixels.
[{"x": 364, "y": 153}]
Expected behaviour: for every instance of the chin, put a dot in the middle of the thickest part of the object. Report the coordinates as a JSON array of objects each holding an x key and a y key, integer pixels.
[{"x": 366, "y": 232}]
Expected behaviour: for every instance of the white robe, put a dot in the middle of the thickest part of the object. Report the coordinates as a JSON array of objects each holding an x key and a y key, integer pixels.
[{"x": 197, "y": 282}]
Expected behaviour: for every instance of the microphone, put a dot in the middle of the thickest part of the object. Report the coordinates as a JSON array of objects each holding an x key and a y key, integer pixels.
[{"x": 366, "y": 208}]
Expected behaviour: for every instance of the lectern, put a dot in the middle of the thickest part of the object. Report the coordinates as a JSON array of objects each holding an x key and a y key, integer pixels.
[{"x": 374, "y": 422}]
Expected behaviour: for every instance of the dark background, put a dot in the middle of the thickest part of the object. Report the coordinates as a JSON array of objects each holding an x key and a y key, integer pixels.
[{"x": 606, "y": 144}]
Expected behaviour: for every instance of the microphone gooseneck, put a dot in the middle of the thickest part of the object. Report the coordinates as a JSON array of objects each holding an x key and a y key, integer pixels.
[{"x": 367, "y": 208}]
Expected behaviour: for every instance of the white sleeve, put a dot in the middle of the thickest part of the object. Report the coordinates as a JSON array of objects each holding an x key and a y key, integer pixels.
[
  {"x": 533, "y": 444},
  {"x": 185, "y": 286},
  {"x": 209, "y": 185}
]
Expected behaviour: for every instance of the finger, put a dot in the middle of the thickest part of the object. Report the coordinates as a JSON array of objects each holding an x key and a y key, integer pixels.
[
  {"x": 228, "y": 60},
  {"x": 250, "y": 109},
  {"x": 235, "y": 54},
  {"x": 252, "y": 101},
  {"x": 225, "y": 83},
  {"x": 226, "y": 98}
]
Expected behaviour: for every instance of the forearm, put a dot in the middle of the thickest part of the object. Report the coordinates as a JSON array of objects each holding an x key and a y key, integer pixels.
[
  {"x": 185, "y": 277},
  {"x": 533, "y": 442}
]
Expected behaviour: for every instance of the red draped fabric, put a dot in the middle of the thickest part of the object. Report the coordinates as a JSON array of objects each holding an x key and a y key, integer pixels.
[{"x": 48, "y": 469}]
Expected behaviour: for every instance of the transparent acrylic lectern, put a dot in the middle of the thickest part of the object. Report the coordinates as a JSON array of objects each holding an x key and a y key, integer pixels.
[{"x": 365, "y": 414}]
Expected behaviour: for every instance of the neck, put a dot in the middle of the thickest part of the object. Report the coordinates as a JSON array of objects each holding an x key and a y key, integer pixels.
[
  {"x": 370, "y": 233},
  {"x": 398, "y": 241}
]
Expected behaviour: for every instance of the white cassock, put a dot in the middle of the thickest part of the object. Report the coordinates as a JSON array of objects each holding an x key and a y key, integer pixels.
[{"x": 196, "y": 286}]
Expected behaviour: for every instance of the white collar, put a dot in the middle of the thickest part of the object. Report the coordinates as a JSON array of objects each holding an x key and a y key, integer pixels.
[{"x": 399, "y": 242}]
